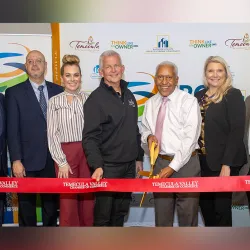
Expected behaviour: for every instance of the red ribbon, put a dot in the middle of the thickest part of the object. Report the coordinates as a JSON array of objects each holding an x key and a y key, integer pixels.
[{"x": 55, "y": 185}]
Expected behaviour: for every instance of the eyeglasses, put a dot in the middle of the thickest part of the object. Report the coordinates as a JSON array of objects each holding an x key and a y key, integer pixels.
[
  {"x": 161, "y": 78},
  {"x": 38, "y": 62}
]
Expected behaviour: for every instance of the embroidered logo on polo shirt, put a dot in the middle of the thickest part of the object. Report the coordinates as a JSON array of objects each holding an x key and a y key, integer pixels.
[{"x": 131, "y": 103}]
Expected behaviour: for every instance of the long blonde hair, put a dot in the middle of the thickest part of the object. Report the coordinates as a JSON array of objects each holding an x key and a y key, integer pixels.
[{"x": 223, "y": 89}]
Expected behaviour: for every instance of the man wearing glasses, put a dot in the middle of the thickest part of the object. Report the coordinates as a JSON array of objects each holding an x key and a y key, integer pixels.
[
  {"x": 27, "y": 137},
  {"x": 172, "y": 120}
]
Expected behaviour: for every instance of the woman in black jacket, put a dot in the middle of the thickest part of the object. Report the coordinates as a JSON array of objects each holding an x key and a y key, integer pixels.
[{"x": 222, "y": 152}]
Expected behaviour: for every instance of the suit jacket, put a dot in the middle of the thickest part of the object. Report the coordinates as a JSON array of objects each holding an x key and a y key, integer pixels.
[
  {"x": 27, "y": 127},
  {"x": 224, "y": 131},
  {"x": 3, "y": 144}
]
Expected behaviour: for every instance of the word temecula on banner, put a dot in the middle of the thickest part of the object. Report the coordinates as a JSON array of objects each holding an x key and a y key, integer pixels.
[
  {"x": 180, "y": 184},
  {"x": 84, "y": 185},
  {"x": 239, "y": 43},
  {"x": 58, "y": 185},
  {"x": 88, "y": 45}
]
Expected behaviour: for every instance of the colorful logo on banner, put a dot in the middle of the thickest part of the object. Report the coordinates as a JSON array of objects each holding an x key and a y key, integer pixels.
[
  {"x": 12, "y": 68},
  {"x": 88, "y": 45},
  {"x": 142, "y": 95},
  {"x": 239, "y": 43},
  {"x": 198, "y": 44},
  {"x": 162, "y": 46},
  {"x": 95, "y": 73},
  {"x": 123, "y": 45}
]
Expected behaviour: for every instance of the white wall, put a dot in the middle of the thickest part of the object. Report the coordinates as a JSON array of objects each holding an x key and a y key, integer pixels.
[{"x": 25, "y": 28}]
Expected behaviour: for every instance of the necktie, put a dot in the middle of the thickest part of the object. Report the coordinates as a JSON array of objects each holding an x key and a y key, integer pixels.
[
  {"x": 42, "y": 101},
  {"x": 160, "y": 120}
]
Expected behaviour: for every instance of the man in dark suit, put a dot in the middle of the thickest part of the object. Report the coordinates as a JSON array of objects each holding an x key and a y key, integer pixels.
[
  {"x": 3, "y": 154},
  {"x": 27, "y": 137}
]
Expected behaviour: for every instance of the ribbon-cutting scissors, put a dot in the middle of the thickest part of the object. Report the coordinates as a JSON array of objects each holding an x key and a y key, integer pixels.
[{"x": 154, "y": 151}]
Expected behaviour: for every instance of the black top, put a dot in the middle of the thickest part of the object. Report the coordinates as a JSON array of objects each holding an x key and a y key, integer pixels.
[
  {"x": 224, "y": 130},
  {"x": 111, "y": 133}
]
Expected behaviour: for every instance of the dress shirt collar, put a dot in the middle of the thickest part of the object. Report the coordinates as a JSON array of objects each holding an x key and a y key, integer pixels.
[
  {"x": 35, "y": 85},
  {"x": 123, "y": 85}
]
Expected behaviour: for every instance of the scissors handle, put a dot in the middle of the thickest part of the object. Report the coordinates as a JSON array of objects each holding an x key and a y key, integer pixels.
[{"x": 154, "y": 151}]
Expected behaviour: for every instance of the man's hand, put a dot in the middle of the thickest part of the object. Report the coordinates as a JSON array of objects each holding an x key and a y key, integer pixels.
[
  {"x": 97, "y": 175},
  {"x": 151, "y": 139},
  {"x": 63, "y": 172},
  {"x": 225, "y": 171},
  {"x": 18, "y": 169},
  {"x": 139, "y": 167},
  {"x": 166, "y": 172}
]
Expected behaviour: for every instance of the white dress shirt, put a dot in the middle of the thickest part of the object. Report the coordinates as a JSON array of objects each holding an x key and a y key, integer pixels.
[{"x": 181, "y": 127}]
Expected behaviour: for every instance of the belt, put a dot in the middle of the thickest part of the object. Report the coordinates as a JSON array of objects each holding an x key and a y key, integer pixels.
[{"x": 170, "y": 158}]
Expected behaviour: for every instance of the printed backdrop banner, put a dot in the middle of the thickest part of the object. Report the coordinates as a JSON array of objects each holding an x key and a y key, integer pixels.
[
  {"x": 143, "y": 46},
  {"x": 13, "y": 51}
]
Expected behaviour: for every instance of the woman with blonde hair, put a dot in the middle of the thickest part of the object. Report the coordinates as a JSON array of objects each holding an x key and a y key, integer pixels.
[
  {"x": 222, "y": 152},
  {"x": 65, "y": 124}
]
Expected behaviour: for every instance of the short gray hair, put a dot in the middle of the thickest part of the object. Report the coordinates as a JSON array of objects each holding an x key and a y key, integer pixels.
[
  {"x": 168, "y": 63},
  {"x": 108, "y": 53}
]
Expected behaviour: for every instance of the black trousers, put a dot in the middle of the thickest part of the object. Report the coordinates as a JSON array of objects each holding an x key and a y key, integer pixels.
[
  {"x": 110, "y": 207},
  {"x": 49, "y": 202},
  {"x": 216, "y": 208}
]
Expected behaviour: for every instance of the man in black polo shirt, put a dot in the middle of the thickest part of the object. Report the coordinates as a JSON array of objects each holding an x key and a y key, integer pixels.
[{"x": 111, "y": 138}]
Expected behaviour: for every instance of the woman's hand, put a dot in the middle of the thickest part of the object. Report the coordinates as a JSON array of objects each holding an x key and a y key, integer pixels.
[{"x": 63, "y": 172}]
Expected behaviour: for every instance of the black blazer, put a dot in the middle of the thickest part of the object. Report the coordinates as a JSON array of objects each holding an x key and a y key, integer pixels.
[
  {"x": 3, "y": 144},
  {"x": 224, "y": 131},
  {"x": 27, "y": 127}
]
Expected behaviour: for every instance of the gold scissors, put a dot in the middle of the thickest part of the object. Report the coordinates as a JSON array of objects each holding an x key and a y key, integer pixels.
[{"x": 154, "y": 151}]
